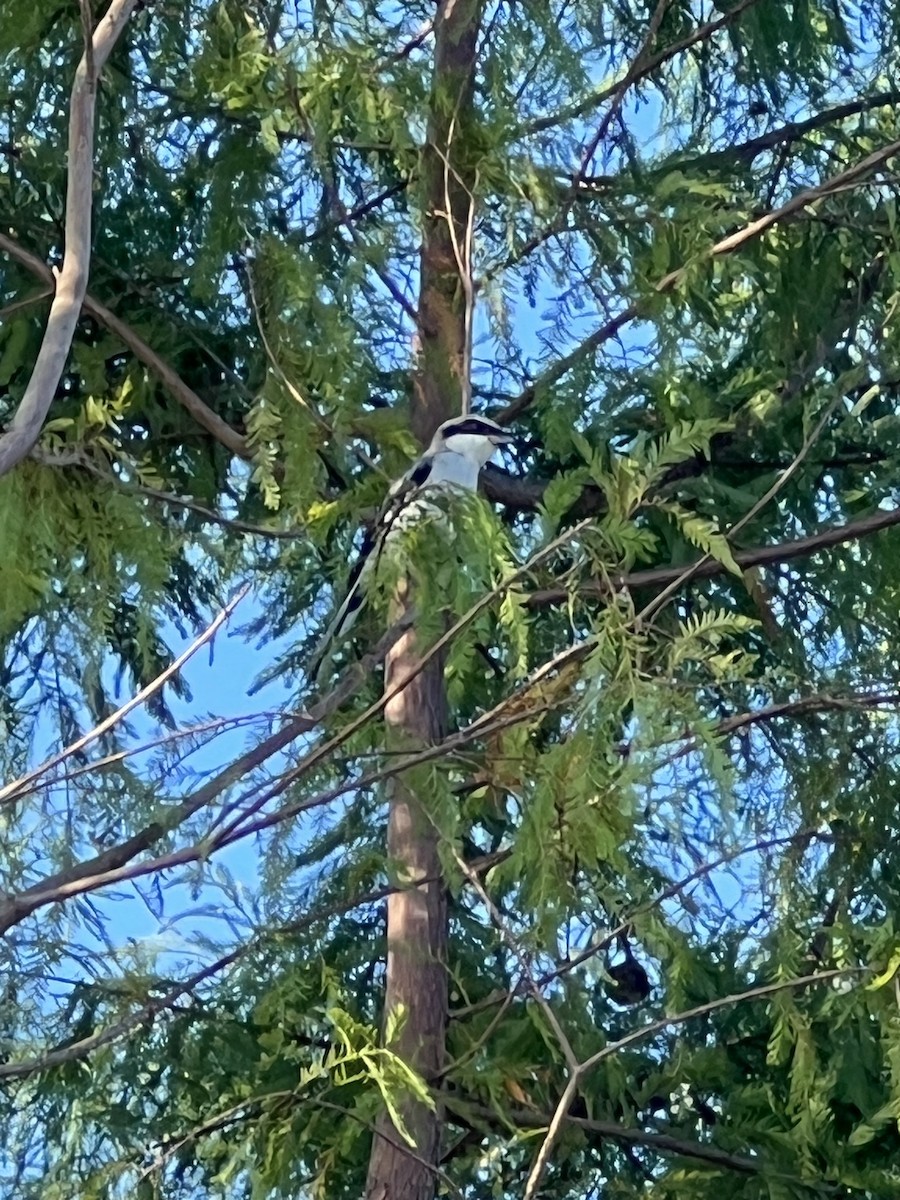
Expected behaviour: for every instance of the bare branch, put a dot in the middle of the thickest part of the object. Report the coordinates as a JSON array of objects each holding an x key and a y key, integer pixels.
[
  {"x": 212, "y": 728},
  {"x": 77, "y": 457},
  {"x": 619, "y": 92},
  {"x": 75, "y": 1051},
  {"x": 561, "y": 1112},
  {"x": 111, "y": 865},
  {"x": 9, "y": 310},
  {"x": 665, "y": 1142},
  {"x": 528, "y": 980},
  {"x": 71, "y": 281},
  {"x": 634, "y": 72},
  {"x": 792, "y": 131},
  {"x": 667, "y": 893},
  {"x": 703, "y": 1010}
]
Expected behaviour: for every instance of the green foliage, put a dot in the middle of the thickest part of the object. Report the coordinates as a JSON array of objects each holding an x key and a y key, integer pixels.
[{"x": 702, "y": 770}]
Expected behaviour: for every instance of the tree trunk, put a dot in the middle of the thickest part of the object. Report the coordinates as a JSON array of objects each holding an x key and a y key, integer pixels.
[
  {"x": 448, "y": 178},
  {"x": 416, "y": 936},
  {"x": 416, "y": 979}
]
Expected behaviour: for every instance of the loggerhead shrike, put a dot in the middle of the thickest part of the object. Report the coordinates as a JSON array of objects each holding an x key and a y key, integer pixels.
[{"x": 458, "y": 451}]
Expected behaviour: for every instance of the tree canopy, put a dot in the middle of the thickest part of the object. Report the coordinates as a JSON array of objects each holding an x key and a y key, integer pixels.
[{"x": 576, "y": 874}]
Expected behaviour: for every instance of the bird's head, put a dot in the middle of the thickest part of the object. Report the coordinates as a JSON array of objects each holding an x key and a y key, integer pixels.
[{"x": 475, "y": 437}]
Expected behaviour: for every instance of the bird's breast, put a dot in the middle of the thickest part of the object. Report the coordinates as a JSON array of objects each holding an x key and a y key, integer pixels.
[{"x": 456, "y": 470}]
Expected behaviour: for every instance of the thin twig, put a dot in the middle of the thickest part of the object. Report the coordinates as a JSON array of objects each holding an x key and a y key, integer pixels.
[
  {"x": 664, "y": 1142},
  {"x": 11, "y": 790},
  {"x": 421, "y": 35},
  {"x": 79, "y": 458},
  {"x": 703, "y": 1010},
  {"x": 215, "y": 725},
  {"x": 667, "y": 893},
  {"x": 15, "y": 306},
  {"x": 634, "y": 72},
  {"x": 524, "y": 966},
  {"x": 654, "y": 605},
  {"x": 463, "y": 256},
  {"x": 561, "y": 1112},
  {"x": 701, "y": 34},
  {"x": 560, "y": 1115},
  {"x": 780, "y": 552},
  {"x": 294, "y": 392}
]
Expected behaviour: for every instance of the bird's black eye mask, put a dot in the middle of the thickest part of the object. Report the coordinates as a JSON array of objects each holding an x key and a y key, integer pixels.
[{"x": 475, "y": 427}]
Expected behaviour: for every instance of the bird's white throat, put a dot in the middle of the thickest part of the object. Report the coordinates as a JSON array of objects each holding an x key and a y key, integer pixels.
[{"x": 472, "y": 446}]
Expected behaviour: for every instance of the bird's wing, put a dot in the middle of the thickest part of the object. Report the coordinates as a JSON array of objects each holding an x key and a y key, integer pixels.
[
  {"x": 401, "y": 491},
  {"x": 398, "y": 498}
]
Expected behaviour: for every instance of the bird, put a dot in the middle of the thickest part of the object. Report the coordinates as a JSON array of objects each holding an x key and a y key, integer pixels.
[
  {"x": 454, "y": 458},
  {"x": 628, "y": 981}
]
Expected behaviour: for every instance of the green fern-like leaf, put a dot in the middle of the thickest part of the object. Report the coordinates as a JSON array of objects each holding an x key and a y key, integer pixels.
[{"x": 702, "y": 533}]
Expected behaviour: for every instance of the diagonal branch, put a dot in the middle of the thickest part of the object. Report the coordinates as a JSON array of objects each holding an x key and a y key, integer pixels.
[
  {"x": 74, "y": 1051},
  {"x": 561, "y": 1113},
  {"x": 110, "y": 865},
  {"x": 791, "y": 131},
  {"x": 701, "y": 34},
  {"x": 852, "y": 176},
  {"x": 665, "y": 1142},
  {"x": 14, "y": 789},
  {"x": 171, "y": 380},
  {"x": 757, "y": 556},
  {"x": 597, "y": 946},
  {"x": 71, "y": 280},
  {"x": 619, "y": 92}
]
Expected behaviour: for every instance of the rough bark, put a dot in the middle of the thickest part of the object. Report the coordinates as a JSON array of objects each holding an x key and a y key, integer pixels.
[{"x": 416, "y": 979}]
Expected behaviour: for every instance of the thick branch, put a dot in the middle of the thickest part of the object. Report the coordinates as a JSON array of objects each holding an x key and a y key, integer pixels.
[{"x": 71, "y": 281}]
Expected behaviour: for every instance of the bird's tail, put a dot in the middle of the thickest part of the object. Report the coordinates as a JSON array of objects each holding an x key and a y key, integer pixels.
[{"x": 339, "y": 626}]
